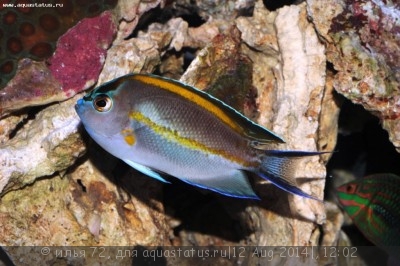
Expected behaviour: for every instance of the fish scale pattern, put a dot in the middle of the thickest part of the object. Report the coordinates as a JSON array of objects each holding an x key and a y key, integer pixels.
[{"x": 190, "y": 127}]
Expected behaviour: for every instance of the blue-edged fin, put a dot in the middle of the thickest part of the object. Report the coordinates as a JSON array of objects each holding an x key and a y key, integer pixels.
[
  {"x": 294, "y": 153},
  {"x": 287, "y": 186},
  {"x": 235, "y": 185},
  {"x": 221, "y": 110},
  {"x": 146, "y": 170},
  {"x": 278, "y": 167}
]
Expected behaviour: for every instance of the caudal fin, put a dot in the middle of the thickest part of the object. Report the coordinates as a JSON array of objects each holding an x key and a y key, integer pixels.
[{"x": 278, "y": 167}]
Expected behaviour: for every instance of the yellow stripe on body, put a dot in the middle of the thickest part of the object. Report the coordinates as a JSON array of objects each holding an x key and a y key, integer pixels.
[
  {"x": 191, "y": 96},
  {"x": 173, "y": 135}
]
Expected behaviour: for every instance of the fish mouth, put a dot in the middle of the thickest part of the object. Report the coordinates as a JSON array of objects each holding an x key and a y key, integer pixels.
[
  {"x": 77, "y": 109},
  {"x": 78, "y": 105}
]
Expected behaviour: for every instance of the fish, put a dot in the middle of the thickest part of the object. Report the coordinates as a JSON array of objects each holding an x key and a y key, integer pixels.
[
  {"x": 161, "y": 126},
  {"x": 373, "y": 203}
]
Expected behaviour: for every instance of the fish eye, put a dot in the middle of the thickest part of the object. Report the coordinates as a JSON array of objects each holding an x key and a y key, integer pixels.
[
  {"x": 351, "y": 188},
  {"x": 102, "y": 103}
]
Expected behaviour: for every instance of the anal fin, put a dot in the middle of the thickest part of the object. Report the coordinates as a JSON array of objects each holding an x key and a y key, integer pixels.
[{"x": 234, "y": 184}]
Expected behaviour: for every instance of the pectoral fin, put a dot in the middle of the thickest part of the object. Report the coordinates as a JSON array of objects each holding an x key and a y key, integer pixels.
[
  {"x": 146, "y": 170},
  {"x": 234, "y": 184}
]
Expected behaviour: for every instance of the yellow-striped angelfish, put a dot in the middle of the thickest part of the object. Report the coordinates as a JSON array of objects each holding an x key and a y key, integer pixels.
[{"x": 161, "y": 126}]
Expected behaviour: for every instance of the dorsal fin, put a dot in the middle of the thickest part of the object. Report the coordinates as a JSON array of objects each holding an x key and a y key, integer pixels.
[{"x": 224, "y": 112}]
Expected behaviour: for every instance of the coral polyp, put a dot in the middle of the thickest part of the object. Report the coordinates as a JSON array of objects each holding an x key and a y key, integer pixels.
[{"x": 31, "y": 31}]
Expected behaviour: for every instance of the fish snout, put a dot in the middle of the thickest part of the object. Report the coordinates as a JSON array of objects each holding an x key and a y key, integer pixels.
[{"x": 79, "y": 105}]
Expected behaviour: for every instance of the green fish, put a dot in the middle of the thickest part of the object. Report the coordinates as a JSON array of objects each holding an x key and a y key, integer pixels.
[
  {"x": 373, "y": 203},
  {"x": 161, "y": 126}
]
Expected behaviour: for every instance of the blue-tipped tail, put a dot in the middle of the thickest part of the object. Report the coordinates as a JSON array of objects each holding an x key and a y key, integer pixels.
[{"x": 278, "y": 168}]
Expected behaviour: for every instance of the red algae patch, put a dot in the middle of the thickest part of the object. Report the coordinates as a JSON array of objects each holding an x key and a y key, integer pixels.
[{"x": 81, "y": 52}]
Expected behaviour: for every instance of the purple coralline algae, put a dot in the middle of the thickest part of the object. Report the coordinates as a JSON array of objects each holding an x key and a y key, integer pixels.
[{"x": 50, "y": 53}]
